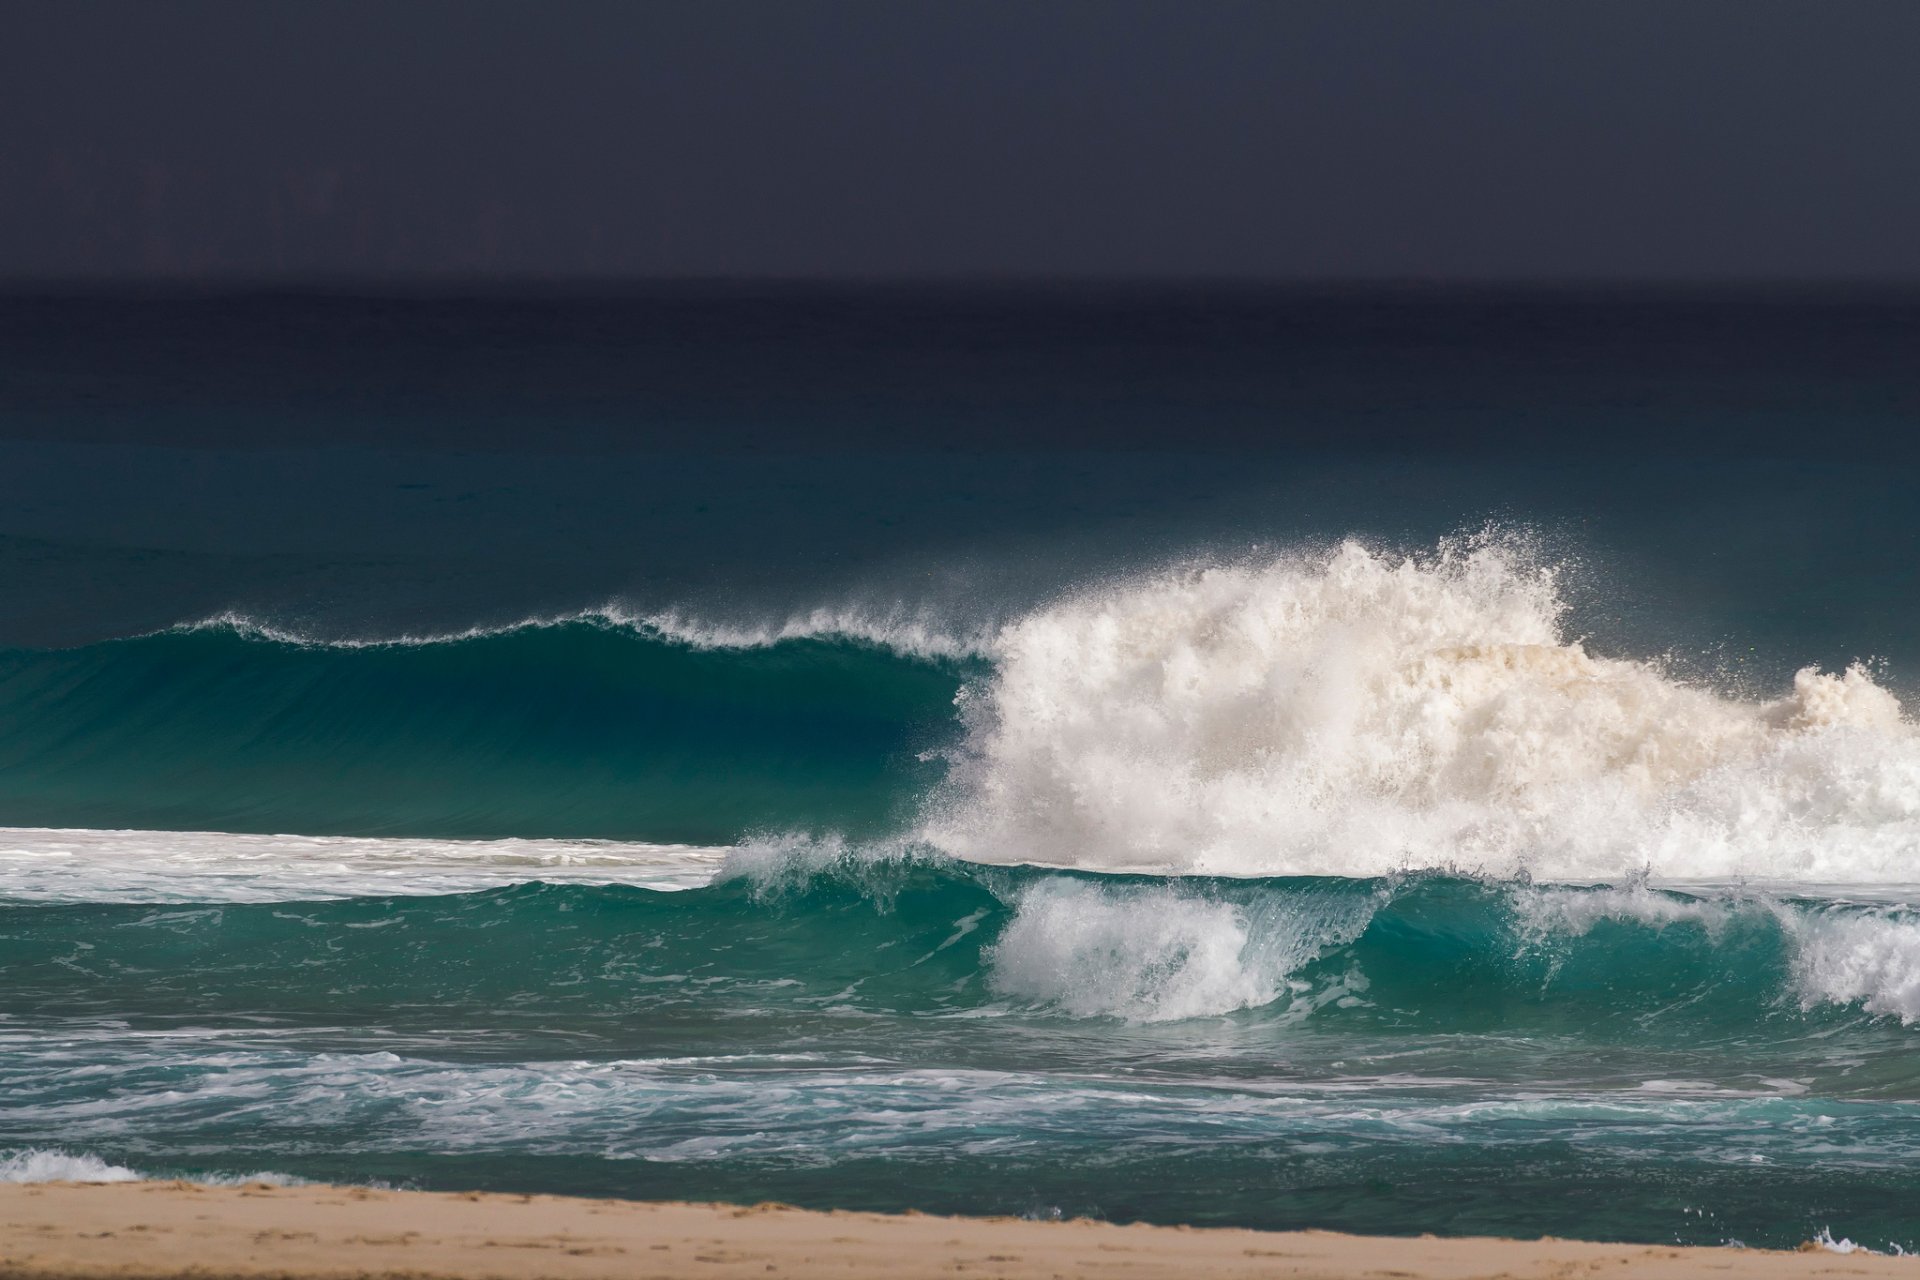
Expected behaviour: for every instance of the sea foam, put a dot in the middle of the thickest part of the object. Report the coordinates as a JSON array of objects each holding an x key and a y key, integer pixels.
[
  {"x": 52, "y": 1164},
  {"x": 918, "y": 633},
  {"x": 1355, "y": 713},
  {"x": 39, "y": 1164},
  {"x": 1159, "y": 953},
  {"x": 38, "y": 864},
  {"x": 1848, "y": 957}
]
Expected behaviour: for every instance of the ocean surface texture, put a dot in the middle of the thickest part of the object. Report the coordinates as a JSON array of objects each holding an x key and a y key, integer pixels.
[{"x": 1385, "y": 760}]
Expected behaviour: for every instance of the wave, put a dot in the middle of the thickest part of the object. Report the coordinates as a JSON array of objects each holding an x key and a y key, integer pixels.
[
  {"x": 1350, "y": 713},
  {"x": 920, "y": 935},
  {"x": 36, "y": 1164},
  {"x": 52, "y": 1164},
  {"x": 577, "y": 730},
  {"x": 1162, "y": 953},
  {"x": 1340, "y": 711}
]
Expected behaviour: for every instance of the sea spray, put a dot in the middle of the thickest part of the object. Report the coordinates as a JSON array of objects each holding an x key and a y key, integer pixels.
[{"x": 1354, "y": 713}]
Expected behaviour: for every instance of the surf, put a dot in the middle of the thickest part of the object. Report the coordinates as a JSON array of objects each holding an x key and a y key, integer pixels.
[
  {"x": 777, "y": 932},
  {"x": 1347, "y": 711},
  {"x": 1338, "y": 710}
]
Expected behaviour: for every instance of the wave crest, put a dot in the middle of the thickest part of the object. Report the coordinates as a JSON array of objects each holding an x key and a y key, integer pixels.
[
  {"x": 1355, "y": 713},
  {"x": 905, "y": 632}
]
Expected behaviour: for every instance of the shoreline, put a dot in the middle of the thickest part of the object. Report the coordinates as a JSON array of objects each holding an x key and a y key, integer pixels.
[{"x": 150, "y": 1230}]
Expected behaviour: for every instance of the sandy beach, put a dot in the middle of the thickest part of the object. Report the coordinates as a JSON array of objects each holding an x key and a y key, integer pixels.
[{"x": 178, "y": 1229}]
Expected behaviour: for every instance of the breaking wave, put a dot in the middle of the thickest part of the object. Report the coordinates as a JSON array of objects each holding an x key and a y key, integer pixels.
[
  {"x": 1355, "y": 713},
  {"x": 1343, "y": 711},
  {"x": 793, "y": 932}
]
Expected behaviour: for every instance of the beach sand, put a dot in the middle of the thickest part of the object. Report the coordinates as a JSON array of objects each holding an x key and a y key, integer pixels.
[{"x": 178, "y": 1229}]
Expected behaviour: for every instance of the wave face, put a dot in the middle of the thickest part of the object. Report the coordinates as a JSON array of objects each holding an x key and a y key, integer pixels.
[
  {"x": 572, "y": 729},
  {"x": 1351, "y": 713}
]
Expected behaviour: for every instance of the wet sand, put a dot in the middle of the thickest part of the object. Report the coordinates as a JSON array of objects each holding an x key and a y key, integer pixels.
[{"x": 177, "y": 1229}]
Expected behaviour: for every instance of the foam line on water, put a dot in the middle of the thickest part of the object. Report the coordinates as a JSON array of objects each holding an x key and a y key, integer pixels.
[
  {"x": 201, "y": 866},
  {"x": 781, "y": 1113},
  {"x": 908, "y": 632},
  {"x": 53, "y": 1164}
]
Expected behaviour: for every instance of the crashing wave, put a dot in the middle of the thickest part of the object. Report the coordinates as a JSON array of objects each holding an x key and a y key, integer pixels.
[{"x": 1354, "y": 713}]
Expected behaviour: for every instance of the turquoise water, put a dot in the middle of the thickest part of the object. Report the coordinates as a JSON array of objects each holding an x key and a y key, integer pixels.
[
  {"x": 1380, "y": 761},
  {"x": 585, "y": 729},
  {"x": 891, "y": 1035}
]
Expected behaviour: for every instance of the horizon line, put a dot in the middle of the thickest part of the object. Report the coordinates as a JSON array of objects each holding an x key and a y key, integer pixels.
[{"x": 427, "y": 282}]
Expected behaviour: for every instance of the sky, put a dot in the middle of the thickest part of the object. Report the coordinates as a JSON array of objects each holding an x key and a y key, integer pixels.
[{"x": 1446, "y": 139}]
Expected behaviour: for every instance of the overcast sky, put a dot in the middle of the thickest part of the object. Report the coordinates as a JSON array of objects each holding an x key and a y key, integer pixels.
[{"x": 1443, "y": 138}]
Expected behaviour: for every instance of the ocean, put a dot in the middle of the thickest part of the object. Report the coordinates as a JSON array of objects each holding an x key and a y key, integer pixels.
[{"x": 1393, "y": 759}]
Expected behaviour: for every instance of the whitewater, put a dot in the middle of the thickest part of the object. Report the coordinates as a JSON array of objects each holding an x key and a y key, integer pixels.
[{"x": 1357, "y": 713}]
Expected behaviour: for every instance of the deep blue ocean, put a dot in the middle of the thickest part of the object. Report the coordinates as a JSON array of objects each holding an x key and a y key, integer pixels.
[{"x": 1391, "y": 759}]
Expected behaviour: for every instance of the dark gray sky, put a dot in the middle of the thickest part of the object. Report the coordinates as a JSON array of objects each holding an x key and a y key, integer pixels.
[{"x": 1451, "y": 138}]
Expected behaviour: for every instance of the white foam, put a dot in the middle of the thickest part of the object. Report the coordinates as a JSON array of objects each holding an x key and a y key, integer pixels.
[
  {"x": 1354, "y": 713},
  {"x": 50, "y": 1164},
  {"x": 1847, "y": 957},
  {"x": 1544, "y": 912},
  {"x": 1843, "y": 1245},
  {"x": 202, "y": 866},
  {"x": 1156, "y": 954},
  {"x": 910, "y": 632},
  {"x": 821, "y": 1112},
  {"x": 1848, "y": 952},
  {"x": 40, "y": 1164}
]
